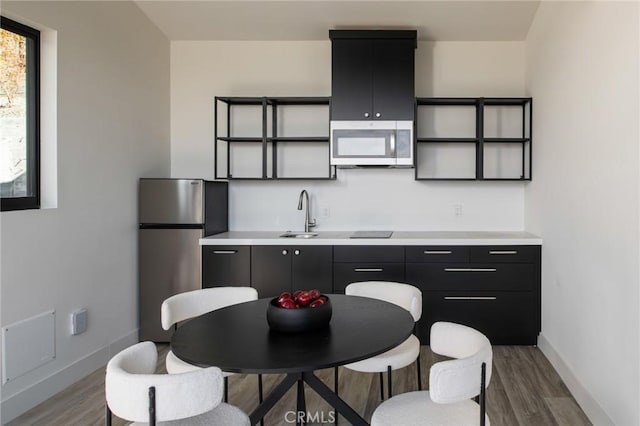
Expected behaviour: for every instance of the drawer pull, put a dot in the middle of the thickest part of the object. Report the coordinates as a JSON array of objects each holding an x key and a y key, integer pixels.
[
  {"x": 503, "y": 251},
  {"x": 470, "y": 298},
  {"x": 225, "y": 251},
  {"x": 437, "y": 252},
  {"x": 470, "y": 269},
  {"x": 368, "y": 270}
]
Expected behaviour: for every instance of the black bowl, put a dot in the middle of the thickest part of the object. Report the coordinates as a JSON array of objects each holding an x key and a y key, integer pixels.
[{"x": 300, "y": 319}]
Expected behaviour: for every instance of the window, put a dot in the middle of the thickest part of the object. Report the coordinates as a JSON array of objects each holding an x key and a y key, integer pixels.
[{"x": 19, "y": 116}]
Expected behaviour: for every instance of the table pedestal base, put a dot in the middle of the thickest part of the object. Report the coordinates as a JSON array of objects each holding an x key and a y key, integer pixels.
[{"x": 314, "y": 383}]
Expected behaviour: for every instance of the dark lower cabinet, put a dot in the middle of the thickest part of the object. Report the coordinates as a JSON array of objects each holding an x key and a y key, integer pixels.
[
  {"x": 493, "y": 289},
  {"x": 347, "y": 273},
  {"x": 472, "y": 276},
  {"x": 226, "y": 266},
  {"x": 275, "y": 269},
  {"x": 271, "y": 270},
  {"x": 505, "y": 254},
  {"x": 506, "y": 318},
  {"x": 312, "y": 267},
  {"x": 366, "y": 263}
]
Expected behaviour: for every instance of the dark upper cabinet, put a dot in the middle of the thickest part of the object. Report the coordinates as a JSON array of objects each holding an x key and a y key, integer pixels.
[
  {"x": 275, "y": 269},
  {"x": 351, "y": 84},
  {"x": 394, "y": 95},
  {"x": 373, "y": 75}
]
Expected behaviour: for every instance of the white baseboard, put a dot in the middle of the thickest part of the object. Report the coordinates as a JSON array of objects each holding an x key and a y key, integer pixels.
[
  {"x": 589, "y": 405},
  {"x": 39, "y": 392}
]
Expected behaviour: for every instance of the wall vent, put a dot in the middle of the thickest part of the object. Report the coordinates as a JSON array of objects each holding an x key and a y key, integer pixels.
[{"x": 27, "y": 345}]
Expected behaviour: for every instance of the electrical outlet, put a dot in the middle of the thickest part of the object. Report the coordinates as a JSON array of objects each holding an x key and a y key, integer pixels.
[
  {"x": 325, "y": 212},
  {"x": 79, "y": 322},
  {"x": 457, "y": 210}
]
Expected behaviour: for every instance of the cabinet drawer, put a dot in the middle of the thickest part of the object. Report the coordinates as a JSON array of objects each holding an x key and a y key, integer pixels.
[
  {"x": 347, "y": 273},
  {"x": 504, "y": 317},
  {"x": 437, "y": 254},
  {"x": 505, "y": 254},
  {"x": 226, "y": 266},
  {"x": 465, "y": 276},
  {"x": 368, "y": 254}
]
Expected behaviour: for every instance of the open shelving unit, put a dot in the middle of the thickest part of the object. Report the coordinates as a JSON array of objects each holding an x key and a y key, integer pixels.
[
  {"x": 473, "y": 139},
  {"x": 457, "y": 139},
  {"x": 286, "y": 137}
]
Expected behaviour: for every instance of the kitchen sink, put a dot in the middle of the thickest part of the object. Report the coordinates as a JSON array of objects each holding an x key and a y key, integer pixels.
[{"x": 289, "y": 234}]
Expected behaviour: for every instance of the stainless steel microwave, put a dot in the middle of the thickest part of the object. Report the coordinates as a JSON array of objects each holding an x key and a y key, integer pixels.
[{"x": 371, "y": 143}]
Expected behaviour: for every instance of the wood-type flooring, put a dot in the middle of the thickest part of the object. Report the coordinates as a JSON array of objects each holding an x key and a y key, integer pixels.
[{"x": 524, "y": 390}]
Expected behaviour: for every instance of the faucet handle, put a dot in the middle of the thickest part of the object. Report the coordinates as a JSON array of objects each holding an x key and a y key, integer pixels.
[{"x": 312, "y": 223}]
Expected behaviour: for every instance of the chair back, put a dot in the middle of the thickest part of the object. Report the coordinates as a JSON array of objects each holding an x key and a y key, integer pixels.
[
  {"x": 177, "y": 396},
  {"x": 461, "y": 378},
  {"x": 404, "y": 295},
  {"x": 194, "y": 303}
]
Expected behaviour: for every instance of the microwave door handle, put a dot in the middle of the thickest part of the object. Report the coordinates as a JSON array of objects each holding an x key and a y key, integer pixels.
[{"x": 392, "y": 144}]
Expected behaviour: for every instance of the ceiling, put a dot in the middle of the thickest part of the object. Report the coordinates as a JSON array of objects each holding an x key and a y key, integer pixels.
[{"x": 444, "y": 20}]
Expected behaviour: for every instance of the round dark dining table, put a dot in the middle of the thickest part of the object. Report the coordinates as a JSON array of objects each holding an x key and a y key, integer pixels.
[{"x": 237, "y": 339}]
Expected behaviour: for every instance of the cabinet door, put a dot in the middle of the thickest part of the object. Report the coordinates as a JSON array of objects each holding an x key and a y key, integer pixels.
[
  {"x": 393, "y": 80},
  {"x": 351, "y": 79},
  {"x": 312, "y": 267},
  {"x": 271, "y": 270},
  {"x": 226, "y": 266}
]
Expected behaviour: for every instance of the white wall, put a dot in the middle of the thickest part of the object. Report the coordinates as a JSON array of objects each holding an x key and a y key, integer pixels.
[
  {"x": 113, "y": 127},
  {"x": 359, "y": 199},
  {"x": 583, "y": 72}
]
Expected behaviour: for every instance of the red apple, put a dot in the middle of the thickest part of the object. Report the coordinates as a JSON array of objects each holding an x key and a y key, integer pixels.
[
  {"x": 288, "y": 304},
  {"x": 296, "y": 294},
  {"x": 315, "y": 293},
  {"x": 284, "y": 296},
  {"x": 319, "y": 301},
  {"x": 304, "y": 298}
]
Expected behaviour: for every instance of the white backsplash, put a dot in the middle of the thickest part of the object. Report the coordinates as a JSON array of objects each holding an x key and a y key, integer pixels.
[
  {"x": 374, "y": 199},
  {"x": 378, "y": 199}
]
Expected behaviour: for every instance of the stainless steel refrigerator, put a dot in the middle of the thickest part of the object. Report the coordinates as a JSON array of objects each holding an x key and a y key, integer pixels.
[{"x": 173, "y": 214}]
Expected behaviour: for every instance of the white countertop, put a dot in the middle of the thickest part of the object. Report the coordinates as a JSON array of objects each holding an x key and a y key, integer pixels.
[{"x": 399, "y": 238}]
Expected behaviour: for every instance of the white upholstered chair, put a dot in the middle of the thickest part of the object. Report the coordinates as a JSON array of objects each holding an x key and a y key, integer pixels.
[
  {"x": 452, "y": 383},
  {"x": 407, "y": 297},
  {"x": 136, "y": 394},
  {"x": 190, "y": 304}
]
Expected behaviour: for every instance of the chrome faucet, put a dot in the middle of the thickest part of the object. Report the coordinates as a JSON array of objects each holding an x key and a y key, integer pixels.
[{"x": 307, "y": 222}]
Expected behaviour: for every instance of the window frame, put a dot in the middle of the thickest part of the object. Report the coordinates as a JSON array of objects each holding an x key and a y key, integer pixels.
[{"x": 32, "y": 90}]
